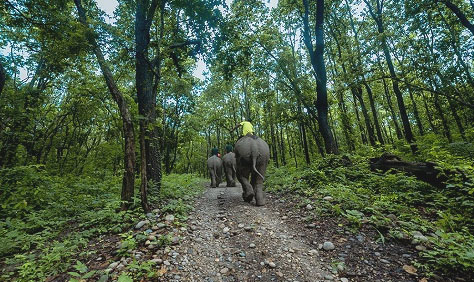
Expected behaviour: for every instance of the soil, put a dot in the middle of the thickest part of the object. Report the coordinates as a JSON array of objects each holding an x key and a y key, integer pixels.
[{"x": 228, "y": 239}]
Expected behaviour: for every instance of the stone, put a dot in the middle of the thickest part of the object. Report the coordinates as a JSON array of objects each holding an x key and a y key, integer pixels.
[
  {"x": 327, "y": 246},
  {"x": 311, "y": 226},
  {"x": 147, "y": 242},
  {"x": 226, "y": 230},
  {"x": 161, "y": 225},
  {"x": 167, "y": 263},
  {"x": 328, "y": 198},
  {"x": 360, "y": 238},
  {"x": 279, "y": 274},
  {"x": 141, "y": 224},
  {"x": 169, "y": 217},
  {"x": 113, "y": 265},
  {"x": 284, "y": 217},
  {"x": 252, "y": 245},
  {"x": 313, "y": 252},
  {"x": 420, "y": 248},
  {"x": 309, "y": 207},
  {"x": 158, "y": 261},
  {"x": 343, "y": 279},
  {"x": 149, "y": 215},
  {"x": 384, "y": 261},
  {"x": 248, "y": 228},
  {"x": 241, "y": 225},
  {"x": 224, "y": 270},
  {"x": 175, "y": 240},
  {"x": 377, "y": 254},
  {"x": 120, "y": 267},
  {"x": 151, "y": 237},
  {"x": 328, "y": 277},
  {"x": 271, "y": 264},
  {"x": 242, "y": 254}
]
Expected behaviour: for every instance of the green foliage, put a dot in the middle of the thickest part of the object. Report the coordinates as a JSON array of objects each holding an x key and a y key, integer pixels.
[
  {"x": 51, "y": 233},
  {"x": 394, "y": 203}
]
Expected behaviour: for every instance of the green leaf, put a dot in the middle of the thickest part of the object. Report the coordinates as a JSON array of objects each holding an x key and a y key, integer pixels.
[
  {"x": 75, "y": 274},
  {"x": 89, "y": 274},
  {"x": 125, "y": 278},
  {"x": 103, "y": 278}
]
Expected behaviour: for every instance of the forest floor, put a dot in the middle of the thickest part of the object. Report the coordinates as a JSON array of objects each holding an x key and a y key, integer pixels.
[{"x": 228, "y": 239}]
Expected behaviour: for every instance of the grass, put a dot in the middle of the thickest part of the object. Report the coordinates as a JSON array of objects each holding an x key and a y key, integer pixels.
[{"x": 48, "y": 221}]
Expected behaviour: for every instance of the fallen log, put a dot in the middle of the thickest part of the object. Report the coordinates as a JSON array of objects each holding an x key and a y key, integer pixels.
[{"x": 424, "y": 171}]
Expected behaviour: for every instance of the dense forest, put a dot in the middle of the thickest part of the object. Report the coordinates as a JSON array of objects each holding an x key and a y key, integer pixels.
[{"x": 104, "y": 121}]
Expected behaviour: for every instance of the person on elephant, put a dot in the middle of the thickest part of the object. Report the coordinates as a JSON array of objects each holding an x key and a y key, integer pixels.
[{"x": 247, "y": 128}]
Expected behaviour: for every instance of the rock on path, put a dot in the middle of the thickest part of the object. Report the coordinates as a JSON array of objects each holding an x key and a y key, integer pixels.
[{"x": 235, "y": 241}]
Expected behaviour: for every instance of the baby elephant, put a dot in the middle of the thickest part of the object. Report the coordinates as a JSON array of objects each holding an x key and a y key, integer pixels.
[
  {"x": 229, "y": 167},
  {"x": 214, "y": 164},
  {"x": 252, "y": 156}
]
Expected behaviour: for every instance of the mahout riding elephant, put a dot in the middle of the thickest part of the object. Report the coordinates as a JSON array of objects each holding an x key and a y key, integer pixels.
[
  {"x": 230, "y": 165},
  {"x": 252, "y": 155},
  {"x": 214, "y": 164}
]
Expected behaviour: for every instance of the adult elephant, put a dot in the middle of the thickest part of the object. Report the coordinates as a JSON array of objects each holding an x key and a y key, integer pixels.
[
  {"x": 252, "y": 156},
  {"x": 230, "y": 165},
  {"x": 214, "y": 164}
]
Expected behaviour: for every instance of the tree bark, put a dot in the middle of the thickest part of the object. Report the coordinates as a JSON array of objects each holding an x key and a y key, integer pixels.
[
  {"x": 374, "y": 112},
  {"x": 2, "y": 78},
  {"x": 368, "y": 125},
  {"x": 128, "y": 180},
  {"x": 461, "y": 16},
  {"x": 145, "y": 71},
  {"x": 377, "y": 16},
  {"x": 359, "y": 123},
  {"x": 319, "y": 68}
]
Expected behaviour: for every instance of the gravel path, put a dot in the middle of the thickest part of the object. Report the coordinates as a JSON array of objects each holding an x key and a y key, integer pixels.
[{"x": 230, "y": 240}]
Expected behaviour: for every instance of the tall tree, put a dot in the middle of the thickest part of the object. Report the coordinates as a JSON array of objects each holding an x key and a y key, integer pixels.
[
  {"x": 377, "y": 17},
  {"x": 128, "y": 181},
  {"x": 146, "y": 74},
  {"x": 317, "y": 62}
]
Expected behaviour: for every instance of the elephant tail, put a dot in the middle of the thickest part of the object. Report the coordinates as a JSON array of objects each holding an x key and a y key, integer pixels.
[{"x": 254, "y": 160}]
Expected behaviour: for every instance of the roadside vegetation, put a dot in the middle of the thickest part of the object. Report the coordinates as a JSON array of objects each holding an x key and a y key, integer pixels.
[{"x": 436, "y": 221}]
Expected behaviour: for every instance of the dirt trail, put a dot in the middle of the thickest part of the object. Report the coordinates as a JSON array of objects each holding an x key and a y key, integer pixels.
[{"x": 230, "y": 240}]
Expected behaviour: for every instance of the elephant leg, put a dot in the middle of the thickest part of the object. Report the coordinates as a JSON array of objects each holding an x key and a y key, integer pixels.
[
  {"x": 258, "y": 185},
  {"x": 213, "y": 179},
  {"x": 234, "y": 177},
  {"x": 243, "y": 174},
  {"x": 228, "y": 178}
]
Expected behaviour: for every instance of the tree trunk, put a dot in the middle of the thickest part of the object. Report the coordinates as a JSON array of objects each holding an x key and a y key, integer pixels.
[
  {"x": 2, "y": 78},
  {"x": 461, "y": 16},
  {"x": 359, "y": 123},
  {"x": 452, "y": 107},
  {"x": 144, "y": 74},
  {"x": 415, "y": 112},
  {"x": 365, "y": 113},
  {"x": 319, "y": 68},
  {"x": 428, "y": 114},
  {"x": 444, "y": 121},
  {"x": 374, "y": 112},
  {"x": 128, "y": 180},
  {"x": 401, "y": 104}
]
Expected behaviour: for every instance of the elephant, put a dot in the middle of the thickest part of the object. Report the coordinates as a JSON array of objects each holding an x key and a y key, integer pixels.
[
  {"x": 214, "y": 164},
  {"x": 230, "y": 167},
  {"x": 252, "y": 155}
]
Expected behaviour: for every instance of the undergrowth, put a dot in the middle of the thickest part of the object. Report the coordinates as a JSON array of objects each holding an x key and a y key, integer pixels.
[
  {"x": 396, "y": 204},
  {"x": 47, "y": 221}
]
